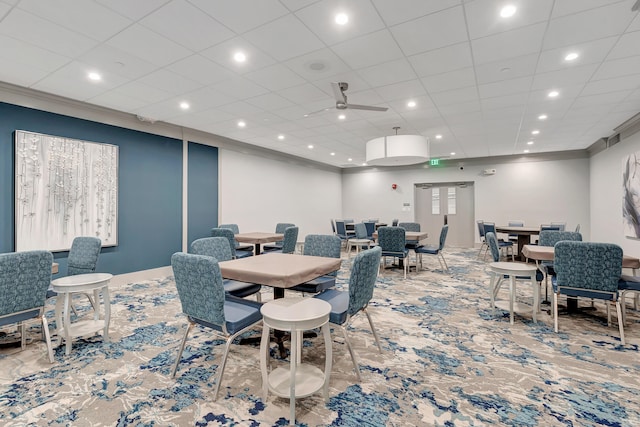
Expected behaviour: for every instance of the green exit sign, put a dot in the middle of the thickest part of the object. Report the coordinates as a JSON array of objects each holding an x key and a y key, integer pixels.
[{"x": 434, "y": 162}]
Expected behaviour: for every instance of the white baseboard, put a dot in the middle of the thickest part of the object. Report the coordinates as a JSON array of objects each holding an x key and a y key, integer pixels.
[{"x": 154, "y": 273}]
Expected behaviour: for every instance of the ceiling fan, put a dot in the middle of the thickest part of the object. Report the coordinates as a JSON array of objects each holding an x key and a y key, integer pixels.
[{"x": 341, "y": 100}]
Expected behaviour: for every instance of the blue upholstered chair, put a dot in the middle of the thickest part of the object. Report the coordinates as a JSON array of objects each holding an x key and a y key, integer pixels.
[
  {"x": 515, "y": 223},
  {"x": 436, "y": 250},
  {"x": 218, "y": 248},
  {"x": 589, "y": 270},
  {"x": 320, "y": 245},
  {"x": 394, "y": 222},
  {"x": 280, "y": 229},
  {"x": 550, "y": 238},
  {"x": 82, "y": 259},
  {"x": 561, "y": 225},
  {"x": 490, "y": 227},
  {"x": 204, "y": 302},
  {"x": 236, "y": 230},
  {"x": 483, "y": 241},
  {"x": 289, "y": 242},
  {"x": 341, "y": 231},
  {"x": 492, "y": 243},
  {"x": 392, "y": 242},
  {"x": 229, "y": 235},
  {"x": 627, "y": 284},
  {"x": 371, "y": 228},
  {"x": 345, "y": 305},
  {"x": 359, "y": 240},
  {"x": 24, "y": 279}
]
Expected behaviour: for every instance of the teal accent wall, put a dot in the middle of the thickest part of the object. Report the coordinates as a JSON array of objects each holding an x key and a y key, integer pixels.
[
  {"x": 149, "y": 190},
  {"x": 202, "y": 196}
]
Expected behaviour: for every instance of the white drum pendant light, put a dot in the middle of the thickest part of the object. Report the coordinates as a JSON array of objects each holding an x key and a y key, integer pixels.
[{"x": 397, "y": 150}]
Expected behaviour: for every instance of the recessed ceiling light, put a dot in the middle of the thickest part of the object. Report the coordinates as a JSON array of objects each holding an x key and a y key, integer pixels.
[
  {"x": 310, "y": 146},
  {"x": 350, "y": 159},
  {"x": 508, "y": 11},
  {"x": 411, "y": 104},
  {"x": 364, "y": 164},
  {"x": 526, "y": 151},
  {"x": 535, "y": 132},
  {"x": 239, "y": 57},
  {"x": 542, "y": 117},
  {"x": 571, "y": 56},
  {"x": 553, "y": 94},
  {"x": 438, "y": 136},
  {"x": 342, "y": 117},
  {"x": 93, "y": 76},
  {"x": 184, "y": 105},
  {"x": 529, "y": 142},
  {"x": 453, "y": 153},
  {"x": 280, "y": 137},
  {"x": 342, "y": 18},
  {"x": 333, "y": 154},
  {"x": 241, "y": 124}
]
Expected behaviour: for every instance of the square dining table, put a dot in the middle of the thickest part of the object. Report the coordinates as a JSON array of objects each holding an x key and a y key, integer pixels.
[{"x": 257, "y": 238}]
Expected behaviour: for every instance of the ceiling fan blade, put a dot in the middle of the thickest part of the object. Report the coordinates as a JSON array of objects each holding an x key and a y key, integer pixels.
[
  {"x": 338, "y": 94},
  {"x": 366, "y": 107}
]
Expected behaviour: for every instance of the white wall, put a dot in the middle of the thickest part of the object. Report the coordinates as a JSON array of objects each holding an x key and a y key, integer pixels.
[
  {"x": 606, "y": 195},
  {"x": 534, "y": 191},
  {"x": 256, "y": 193}
]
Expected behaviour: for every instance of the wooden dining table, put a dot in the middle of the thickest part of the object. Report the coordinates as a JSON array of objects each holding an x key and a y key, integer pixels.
[
  {"x": 257, "y": 238},
  {"x": 523, "y": 233}
]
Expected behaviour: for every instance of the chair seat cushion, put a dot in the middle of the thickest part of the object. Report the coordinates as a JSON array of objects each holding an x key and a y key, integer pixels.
[
  {"x": 243, "y": 254},
  {"x": 403, "y": 254},
  {"x": 631, "y": 283},
  {"x": 583, "y": 293},
  {"x": 433, "y": 250},
  {"x": 239, "y": 313},
  {"x": 244, "y": 247},
  {"x": 240, "y": 289},
  {"x": 268, "y": 248},
  {"x": 339, "y": 301},
  {"x": 316, "y": 285},
  {"x": 502, "y": 243},
  {"x": 32, "y": 314}
]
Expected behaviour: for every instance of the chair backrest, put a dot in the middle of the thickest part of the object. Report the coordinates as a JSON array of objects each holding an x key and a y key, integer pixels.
[
  {"x": 410, "y": 226},
  {"x": 489, "y": 227},
  {"x": 443, "y": 236},
  {"x": 364, "y": 273},
  {"x": 481, "y": 229},
  {"x": 227, "y": 233},
  {"x": 341, "y": 229},
  {"x": 232, "y": 227},
  {"x": 83, "y": 255},
  {"x": 392, "y": 239},
  {"x": 578, "y": 228},
  {"x": 560, "y": 225},
  {"x": 551, "y": 237},
  {"x": 24, "y": 279},
  {"x": 217, "y": 247},
  {"x": 492, "y": 242},
  {"x": 371, "y": 228},
  {"x": 394, "y": 223},
  {"x": 333, "y": 226},
  {"x": 588, "y": 265},
  {"x": 200, "y": 287},
  {"x": 322, "y": 245},
  {"x": 280, "y": 229},
  {"x": 549, "y": 227},
  {"x": 349, "y": 221},
  {"x": 361, "y": 230},
  {"x": 516, "y": 223},
  {"x": 290, "y": 240}
]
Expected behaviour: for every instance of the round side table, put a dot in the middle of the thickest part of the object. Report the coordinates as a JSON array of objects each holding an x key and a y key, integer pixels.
[
  {"x": 295, "y": 315},
  {"x": 65, "y": 287},
  {"x": 513, "y": 269}
]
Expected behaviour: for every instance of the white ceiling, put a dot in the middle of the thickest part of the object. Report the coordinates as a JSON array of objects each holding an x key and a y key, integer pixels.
[{"x": 478, "y": 80}]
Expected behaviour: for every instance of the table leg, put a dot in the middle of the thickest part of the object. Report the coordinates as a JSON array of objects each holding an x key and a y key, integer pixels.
[
  {"x": 264, "y": 360},
  {"x": 329, "y": 359},
  {"x": 106, "y": 301},
  {"x": 523, "y": 239},
  {"x": 536, "y": 297},
  {"x": 292, "y": 372},
  {"x": 59, "y": 323},
  {"x": 257, "y": 248},
  {"x": 512, "y": 296},
  {"x": 67, "y": 322}
]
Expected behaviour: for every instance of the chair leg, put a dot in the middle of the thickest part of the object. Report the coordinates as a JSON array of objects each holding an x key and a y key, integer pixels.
[
  {"x": 446, "y": 267},
  {"x": 222, "y": 365},
  {"x": 47, "y": 337},
  {"x": 555, "y": 312},
  {"x": 23, "y": 335},
  {"x": 375, "y": 334},
  {"x": 181, "y": 349},
  {"x": 620, "y": 322},
  {"x": 353, "y": 356},
  {"x": 624, "y": 306},
  {"x": 258, "y": 296},
  {"x": 406, "y": 267}
]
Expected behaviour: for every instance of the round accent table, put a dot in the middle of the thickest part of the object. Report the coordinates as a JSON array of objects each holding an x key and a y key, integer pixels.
[
  {"x": 513, "y": 270},
  {"x": 295, "y": 315},
  {"x": 65, "y": 287}
]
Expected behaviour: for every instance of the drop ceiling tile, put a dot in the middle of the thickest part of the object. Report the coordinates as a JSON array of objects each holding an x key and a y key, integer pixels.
[
  {"x": 355, "y": 81},
  {"x": 505, "y": 87},
  {"x": 44, "y": 34},
  {"x": 403, "y": 90},
  {"x": 117, "y": 101},
  {"x": 618, "y": 68},
  {"x": 388, "y": 73},
  {"x": 562, "y": 78},
  {"x": 284, "y": 38},
  {"x": 411, "y": 9},
  {"x": 442, "y": 60},
  {"x": 590, "y": 53},
  {"x": 316, "y": 65},
  {"x": 89, "y": 18},
  {"x": 600, "y": 99},
  {"x": 144, "y": 92},
  {"x": 635, "y": 24},
  {"x": 275, "y": 77},
  {"x": 357, "y": 52},
  {"x": 484, "y": 16},
  {"x": 19, "y": 73},
  {"x": 304, "y": 93},
  {"x": 200, "y": 69},
  {"x": 134, "y": 10},
  {"x": 457, "y": 96},
  {"x": 568, "y": 7},
  {"x": 186, "y": 25},
  {"x": 148, "y": 45},
  {"x": 269, "y": 102},
  {"x": 508, "y": 44},
  {"x": 627, "y": 45},
  {"x": 319, "y": 18},
  {"x": 240, "y": 109},
  {"x": 511, "y": 68},
  {"x": 205, "y": 98},
  {"x": 457, "y": 79},
  {"x": 432, "y": 31},
  {"x": 242, "y": 15},
  {"x": 462, "y": 108},
  {"x": 12, "y": 50},
  {"x": 222, "y": 54},
  {"x": 628, "y": 83},
  {"x": 239, "y": 88},
  {"x": 294, "y": 5},
  {"x": 107, "y": 59},
  {"x": 589, "y": 25},
  {"x": 169, "y": 82}
]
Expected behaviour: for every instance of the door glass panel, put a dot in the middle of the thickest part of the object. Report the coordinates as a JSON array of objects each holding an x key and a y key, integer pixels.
[
  {"x": 451, "y": 199},
  {"x": 435, "y": 201}
]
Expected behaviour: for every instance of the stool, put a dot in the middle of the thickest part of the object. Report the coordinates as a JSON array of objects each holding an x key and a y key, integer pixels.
[
  {"x": 513, "y": 270},
  {"x": 357, "y": 243},
  {"x": 295, "y": 315}
]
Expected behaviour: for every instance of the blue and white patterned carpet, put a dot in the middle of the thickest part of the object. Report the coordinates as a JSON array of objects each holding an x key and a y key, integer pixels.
[{"x": 448, "y": 361}]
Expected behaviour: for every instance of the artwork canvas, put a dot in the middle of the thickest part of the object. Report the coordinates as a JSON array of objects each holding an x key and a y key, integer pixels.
[
  {"x": 64, "y": 188},
  {"x": 631, "y": 195}
]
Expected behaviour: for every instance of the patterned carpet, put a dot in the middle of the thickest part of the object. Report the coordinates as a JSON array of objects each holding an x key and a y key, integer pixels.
[{"x": 448, "y": 361}]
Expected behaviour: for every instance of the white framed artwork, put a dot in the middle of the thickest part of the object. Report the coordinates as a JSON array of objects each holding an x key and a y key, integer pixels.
[
  {"x": 631, "y": 195},
  {"x": 64, "y": 188}
]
